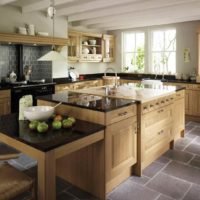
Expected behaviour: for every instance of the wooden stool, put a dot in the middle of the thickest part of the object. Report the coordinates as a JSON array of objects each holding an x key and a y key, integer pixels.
[{"x": 12, "y": 181}]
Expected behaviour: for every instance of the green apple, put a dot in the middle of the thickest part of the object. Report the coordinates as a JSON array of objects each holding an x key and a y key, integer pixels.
[
  {"x": 33, "y": 125},
  {"x": 72, "y": 119},
  {"x": 42, "y": 127},
  {"x": 56, "y": 125},
  {"x": 67, "y": 123}
]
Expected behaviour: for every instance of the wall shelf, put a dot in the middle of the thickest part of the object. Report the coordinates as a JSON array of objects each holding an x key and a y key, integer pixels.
[{"x": 15, "y": 38}]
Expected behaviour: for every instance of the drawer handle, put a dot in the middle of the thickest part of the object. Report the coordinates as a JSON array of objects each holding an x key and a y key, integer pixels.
[
  {"x": 162, "y": 102},
  {"x": 157, "y": 104},
  {"x": 151, "y": 106},
  {"x": 171, "y": 98},
  {"x": 160, "y": 132},
  {"x": 160, "y": 111},
  {"x": 144, "y": 108},
  {"x": 122, "y": 114},
  {"x": 167, "y": 99}
]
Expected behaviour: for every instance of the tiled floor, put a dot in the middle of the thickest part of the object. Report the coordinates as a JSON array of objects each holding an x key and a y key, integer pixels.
[{"x": 175, "y": 175}]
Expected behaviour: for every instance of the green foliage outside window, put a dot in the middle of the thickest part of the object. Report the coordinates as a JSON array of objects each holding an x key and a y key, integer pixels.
[{"x": 138, "y": 60}]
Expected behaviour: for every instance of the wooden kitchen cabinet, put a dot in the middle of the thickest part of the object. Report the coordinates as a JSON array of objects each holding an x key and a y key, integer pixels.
[
  {"x": 120, "y": 147},
  {"x": 108, "y": 48},
  {"x": 78, "y": 85},
  {"x": 63, "y": 87},
  {"x": 5, "y": 99},
  {"x": 179, "y": 117},
  {"x": 73, "y": 46},
  {"x": 82, "y": 50},
  {"x": 94, "y": 53},
  {"x": 156, "y": 129}
]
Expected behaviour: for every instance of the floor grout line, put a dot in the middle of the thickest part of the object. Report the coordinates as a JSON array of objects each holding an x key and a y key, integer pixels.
[{"x": 186, "y": 192}]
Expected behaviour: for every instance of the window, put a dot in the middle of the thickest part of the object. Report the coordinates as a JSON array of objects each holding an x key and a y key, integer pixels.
[
  {"x": 133, "y": 51},
  {"x": 163, "y": 51}
]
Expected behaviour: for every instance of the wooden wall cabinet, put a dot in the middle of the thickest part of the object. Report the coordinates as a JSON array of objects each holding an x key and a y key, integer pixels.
[
  {"x": 94, "y": 50},
  {"x": 5, "y": 100},
  {"x": 73, "y": 46},
  {"x": 108, "y": 48},
  {"x": 79, "y": 44}
]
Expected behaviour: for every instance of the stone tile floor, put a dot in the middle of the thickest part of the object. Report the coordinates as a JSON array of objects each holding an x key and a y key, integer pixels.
[{"x": 174, "y": 176}]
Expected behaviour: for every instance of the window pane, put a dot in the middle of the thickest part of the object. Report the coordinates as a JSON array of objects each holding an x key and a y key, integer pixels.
[
  {"x": 129, "y": 42},
  {"x": 164, "y": 51},
  {"x": 158, "y": 41},
  {"x": 157, "y": 64},
  {"x": 129, "y": 61},
  {"x": 170, "y": 40},
  {"x": 133, "y": 51},
  {"x": 171, "y": 67},
  {"x": 139, "y": 40}
]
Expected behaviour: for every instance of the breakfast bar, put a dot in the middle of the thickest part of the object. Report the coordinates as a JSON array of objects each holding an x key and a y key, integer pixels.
[{"x": 47, "y": 148}]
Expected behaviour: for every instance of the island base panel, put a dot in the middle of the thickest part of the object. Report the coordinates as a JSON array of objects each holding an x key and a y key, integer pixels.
[
  {"x": 85, "y": 169},
  {"x": 110, "y": 185}
]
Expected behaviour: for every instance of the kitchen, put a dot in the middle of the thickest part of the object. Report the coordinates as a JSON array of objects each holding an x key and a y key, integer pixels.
[{"x": 183, "y": 60}]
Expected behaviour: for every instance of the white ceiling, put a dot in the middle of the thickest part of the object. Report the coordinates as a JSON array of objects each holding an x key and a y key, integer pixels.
[{"x": 116, "y": 14}]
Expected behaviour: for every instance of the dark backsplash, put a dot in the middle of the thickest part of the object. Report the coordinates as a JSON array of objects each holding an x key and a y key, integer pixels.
[{"x": 9, "y": 61}]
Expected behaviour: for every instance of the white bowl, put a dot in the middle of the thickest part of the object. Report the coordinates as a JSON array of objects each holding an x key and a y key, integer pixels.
[
  {"x": 38, "y": 112},
  {"x": 92, "y": 42}
]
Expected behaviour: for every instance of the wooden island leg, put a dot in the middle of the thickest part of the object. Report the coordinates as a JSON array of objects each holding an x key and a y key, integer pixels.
[{"x": 47, "y": 177}]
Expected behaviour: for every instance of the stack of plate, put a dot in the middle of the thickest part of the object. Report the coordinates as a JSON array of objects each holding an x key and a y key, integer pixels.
[{"x": 22, "y": 30}]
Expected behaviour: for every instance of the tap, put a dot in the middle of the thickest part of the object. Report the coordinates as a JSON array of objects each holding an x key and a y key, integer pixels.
[{"x": 112, "y": 69}]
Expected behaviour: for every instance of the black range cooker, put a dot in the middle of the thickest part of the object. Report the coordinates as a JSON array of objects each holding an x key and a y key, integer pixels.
[{"x": 31, "y": 88}]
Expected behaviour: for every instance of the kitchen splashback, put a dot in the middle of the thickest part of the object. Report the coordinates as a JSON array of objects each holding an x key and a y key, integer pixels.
[
  {"x": 40, "y": 69},
  {"x": 9, "y": 60}
]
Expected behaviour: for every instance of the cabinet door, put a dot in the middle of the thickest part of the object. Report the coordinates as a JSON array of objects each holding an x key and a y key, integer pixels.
[
  {"x": 179, "y": 117},
  {"x": 63, "y": 87},
  {"x": 195, "y": 102},
  {"x": 120, "y": 147},
  {"x": 108, "y": 48},
  {"x": 4, "y": 106},
  {"x": 73, "y": 46}
]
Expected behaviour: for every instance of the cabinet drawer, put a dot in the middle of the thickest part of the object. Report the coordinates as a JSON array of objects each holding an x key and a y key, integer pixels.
[
  {"x": 120, "y": 114},
  {"x": 4, "y": 93},
  {"x": 153, "y": 118},
  {"x": 180, "y": 94},
  {"x": 153, "y": 137}
]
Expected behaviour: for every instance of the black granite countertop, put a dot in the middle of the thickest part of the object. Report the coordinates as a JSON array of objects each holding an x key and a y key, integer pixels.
[
  {"x": 92, "y": 102},
  {"x": 5, "y": 86},
  {"x": 12, "y": 127}
]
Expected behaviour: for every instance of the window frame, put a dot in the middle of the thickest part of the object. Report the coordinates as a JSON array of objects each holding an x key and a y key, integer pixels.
[
  {"x": 123, "y": 47},
  {"x": 150, "y": 50}
]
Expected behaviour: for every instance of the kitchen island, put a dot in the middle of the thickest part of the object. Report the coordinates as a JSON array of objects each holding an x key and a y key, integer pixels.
[
  {"x": 48, "y": 148},
  {"x": 141, "y": 122}
]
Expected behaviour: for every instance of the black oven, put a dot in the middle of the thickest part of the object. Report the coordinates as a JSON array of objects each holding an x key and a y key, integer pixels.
[{"x": 35, "y": 90}]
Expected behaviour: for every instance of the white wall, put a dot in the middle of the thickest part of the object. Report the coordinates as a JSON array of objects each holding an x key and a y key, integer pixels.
[
  {"x": 12, "y": 18},
  {"x": 187, "y": 37}
]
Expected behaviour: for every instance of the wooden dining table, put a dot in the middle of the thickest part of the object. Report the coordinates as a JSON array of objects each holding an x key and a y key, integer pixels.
[{"x": 48, "y": 147}]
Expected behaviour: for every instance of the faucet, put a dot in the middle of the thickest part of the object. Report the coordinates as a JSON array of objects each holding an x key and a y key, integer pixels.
[{"x": 112, "y": 69}]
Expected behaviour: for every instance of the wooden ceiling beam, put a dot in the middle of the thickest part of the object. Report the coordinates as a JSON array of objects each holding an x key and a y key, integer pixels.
[
  {"x": 168, "y": 12},
  {"x": 90, "y": 6},
  {"x": 4, "y": 2},
  {"x": 102, "y": 15},
  {"x": 41, "y": 5},
  {"x": 143, "y": 23}
]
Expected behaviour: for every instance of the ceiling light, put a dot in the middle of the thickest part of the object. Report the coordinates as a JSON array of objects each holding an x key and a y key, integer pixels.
[{"x": 52, "y": 55}]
